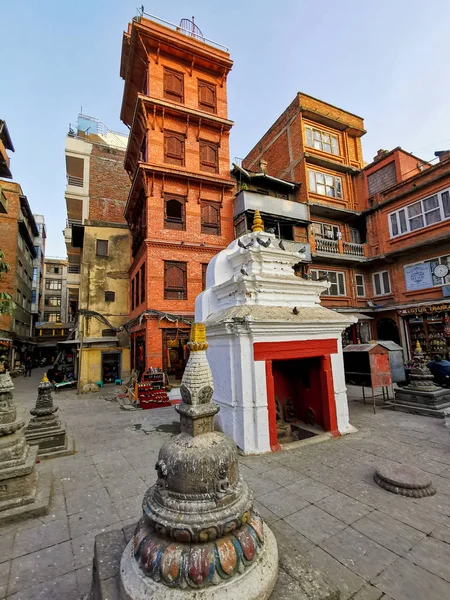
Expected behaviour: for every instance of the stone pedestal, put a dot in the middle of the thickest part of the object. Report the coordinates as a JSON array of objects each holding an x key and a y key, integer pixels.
[
  {"x": 22, "y": 494},
  {"x": 422, "y": 396},
  {"x": 199, "y": 536},
  {"x": 45, "y": 429}
]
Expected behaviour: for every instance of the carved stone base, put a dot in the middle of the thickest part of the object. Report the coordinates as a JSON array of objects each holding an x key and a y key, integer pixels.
[
  {"x": 18, "y": 483},
  {"x": 37, "y": 508},
  {"x": 431, "y": 403},
  {"x": 405, "y": 481},
  {"x": 52, "y": 441}
]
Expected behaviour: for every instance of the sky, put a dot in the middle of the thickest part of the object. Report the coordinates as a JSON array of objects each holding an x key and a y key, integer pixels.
[{"x": 386, "y": 61}]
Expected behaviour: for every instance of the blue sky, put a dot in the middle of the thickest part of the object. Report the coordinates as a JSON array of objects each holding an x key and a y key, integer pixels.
[{"x": 385, "y": 61}]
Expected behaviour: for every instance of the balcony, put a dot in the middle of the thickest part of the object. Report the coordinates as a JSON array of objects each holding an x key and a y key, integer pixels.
[
  {"x": 338, "y": 250},
  {"x": 73, "y": 274}
]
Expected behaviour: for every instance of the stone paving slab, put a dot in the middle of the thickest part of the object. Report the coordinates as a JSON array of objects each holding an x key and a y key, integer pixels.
[{"x": 374, "y": 545}]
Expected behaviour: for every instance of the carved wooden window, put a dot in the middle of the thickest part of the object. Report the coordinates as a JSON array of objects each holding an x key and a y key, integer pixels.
[
  {"x": 210, "y": 217},
  {"x": 207, "y": 96},
  {"x": 174, "y": 148},
  {"x": 175, "y": 280},
  {"x": 204, "y": 267},
  {"x": 143, "y": 283},
  {"x": 173, "y": 85},
  {"x": 174, "y": 212},
  {"x": 209, "y": 157}
]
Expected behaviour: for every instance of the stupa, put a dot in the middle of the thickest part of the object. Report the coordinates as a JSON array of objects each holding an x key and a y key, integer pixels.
[
  {"x": 275, "y": 352},
  {"x": 422, "y": 395},
  {"x": 20, "y": 494},
  {"x": 200, "y": 536},
  {"x": 45, "y": 429}
]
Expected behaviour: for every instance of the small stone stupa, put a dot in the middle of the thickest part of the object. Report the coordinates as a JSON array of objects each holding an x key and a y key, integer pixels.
[
  {"x": 199, "y": 536},
  {"x": 422, "y": 395},
  {"x": 45, "y": 429},
  {"x": 20, "y": 495}
]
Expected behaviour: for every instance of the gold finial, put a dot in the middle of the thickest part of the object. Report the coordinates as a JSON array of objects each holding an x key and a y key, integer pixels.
[
  {"x": 198, "y": 337},
  {"x": 258, "y": 223},
  {"x": 418, "y": 346},
  {"x": 44, "y": 379}
]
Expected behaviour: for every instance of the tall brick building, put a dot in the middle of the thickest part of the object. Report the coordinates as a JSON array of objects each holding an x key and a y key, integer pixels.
[
  {"x": 98, "y": 247},
  {"x": 408, "y": 233},
  {"x": 318, "y": 146},
  {"x": 180, "y": 207},
  {"x": 18, "y": 231}
]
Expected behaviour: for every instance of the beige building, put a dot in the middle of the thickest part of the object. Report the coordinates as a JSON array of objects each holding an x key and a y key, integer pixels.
[{"x": 55, "y": 290}]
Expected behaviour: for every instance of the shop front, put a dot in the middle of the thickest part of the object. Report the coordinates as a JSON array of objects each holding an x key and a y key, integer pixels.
[
  {"x": 358, "y": 333},
  {"x": 430, "y": 326}
]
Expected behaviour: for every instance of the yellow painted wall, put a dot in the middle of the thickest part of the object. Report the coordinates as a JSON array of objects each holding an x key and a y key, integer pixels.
[{"x": 91, "y": 363}]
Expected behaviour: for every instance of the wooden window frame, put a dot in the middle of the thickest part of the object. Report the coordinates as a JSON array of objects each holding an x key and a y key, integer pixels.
[
  {"x": 132, "y": 295},
  {"x": 207, "y": 166},
  {"x": 172, "y": 222},
  {"x": 315, "y": 138},
  {"x": 180, "y": 290},
  {"x": 206, "y": 106},
  {"x": 170, "y": 157},
  {"x": 110, "y": 296},
  {"x": 97, "y": 248},
  {"x": 137, "y": 300},
  {"x": 382, "y": 283},
  {"x": 206, "y": 227},
  {"x": 329, "y": 182},
  {"x": 204, "y": 268},
  {"x": 360, "y": 285},
  {"x": 169, "y": 95},
  {"x": 340, "y": 283},
  {"x": 143, "y": 282}
]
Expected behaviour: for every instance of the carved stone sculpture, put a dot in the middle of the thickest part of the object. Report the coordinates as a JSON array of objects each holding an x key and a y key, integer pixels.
[
  {"x": 45, "y": 429},
  {"x": 18, "y": 477},
  {"x": 199, "y": 529}
]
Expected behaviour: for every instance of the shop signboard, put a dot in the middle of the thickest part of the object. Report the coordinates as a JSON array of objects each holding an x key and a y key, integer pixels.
[
  {"x": 424, "y": 308},
  {"x": 418, "y": 277}
]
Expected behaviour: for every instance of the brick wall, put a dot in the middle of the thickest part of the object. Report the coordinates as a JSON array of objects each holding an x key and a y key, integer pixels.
[
  {"x": 109, "y": 185},
  {"x": 382, "y": 179},
  {"x": 8, "y": 244}
]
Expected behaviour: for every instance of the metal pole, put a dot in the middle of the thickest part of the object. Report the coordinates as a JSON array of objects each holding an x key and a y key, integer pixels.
[{"x": 80, "y": 352}]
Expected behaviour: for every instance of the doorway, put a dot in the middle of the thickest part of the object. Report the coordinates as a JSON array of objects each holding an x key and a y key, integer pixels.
[
  {"x": 175, "y": 353},
  {"x": 298, "y": 398},
  {"x": 110, "y": 366},
  {"x": 387, "y": 330}
]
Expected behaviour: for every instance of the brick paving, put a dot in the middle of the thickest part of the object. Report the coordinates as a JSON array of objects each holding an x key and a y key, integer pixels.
[{"x": 371, "y": 543}]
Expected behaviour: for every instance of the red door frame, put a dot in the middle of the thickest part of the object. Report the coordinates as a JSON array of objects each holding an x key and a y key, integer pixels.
[{"x": 269, "y": 351}]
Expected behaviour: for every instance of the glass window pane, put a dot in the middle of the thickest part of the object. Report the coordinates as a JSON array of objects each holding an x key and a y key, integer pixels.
[
  {"x": 334, "y": 145},
  {"x": 314, "y": 275},
  {"x": 332, "y": 276},
  {"x": 320, "y": 177},
  {"x": 329, "y": 180},
  {"x": 433, "y": 217},
  {"x": 317, "y": 145},
  {"x": 386, "y": 284},
  {"x": 445, "y": 197},
  {"x": 414, "y": 210},
  {"x": 430, "y": 203},
  {"x": 330, "y": 192},
  {"x": 326, "y": 138},
  {"x": 334, "y": 289},
  {"x": 327, "y": 148},
  {"x": 308, "y": 136},
  {"x": 316, "y": 135},
  {"x": 376, "y": 281},
  {"x": 338, "y": 187},
  {"x": 341, "y": 282},
  {"x": 312, "y": 181},
  {"x": 394, "y": 226},
  {"x": 402, "y": 219},
  {"x": 321, "y": 189},
  {"x": 416, "y": 223}
]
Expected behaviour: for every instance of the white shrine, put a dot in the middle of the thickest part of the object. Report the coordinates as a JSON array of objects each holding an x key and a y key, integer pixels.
[{"x": 275, "y": 352}]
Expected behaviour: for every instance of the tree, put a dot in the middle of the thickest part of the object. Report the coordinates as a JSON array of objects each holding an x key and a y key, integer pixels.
[{"x": 6, "y": 300}]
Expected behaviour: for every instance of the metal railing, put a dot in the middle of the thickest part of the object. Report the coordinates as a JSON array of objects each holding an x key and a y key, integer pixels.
[
  {"x": 70, "y": 222},
  {"x": 75, "y": 181},
  {"x": 189, "y": 32},
  {"x": 325, "y": 245},
  {"x": 353, "y": 248}
]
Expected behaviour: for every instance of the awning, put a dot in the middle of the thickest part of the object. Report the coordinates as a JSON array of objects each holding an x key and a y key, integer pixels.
[{"x": 359, "y": 316}]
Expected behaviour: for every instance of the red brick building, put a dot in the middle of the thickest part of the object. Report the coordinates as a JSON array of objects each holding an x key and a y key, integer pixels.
[
  {"x": 180, "y": 206},
  {"x": 408, "y": 233}
]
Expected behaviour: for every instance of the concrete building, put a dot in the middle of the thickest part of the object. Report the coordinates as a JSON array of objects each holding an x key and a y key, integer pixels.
[
  {"x": 318, "y": 146},
  {"x": 55, "y": 290},
  {"x": 37, "y": 300},
  {"x": 180, "y": 206},
  {"x": 98, "y": 248},
  {"x": 408, "y": 236}
]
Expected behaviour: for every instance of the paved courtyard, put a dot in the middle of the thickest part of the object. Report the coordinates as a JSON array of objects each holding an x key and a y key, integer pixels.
[{"x": 372, "y": 544}]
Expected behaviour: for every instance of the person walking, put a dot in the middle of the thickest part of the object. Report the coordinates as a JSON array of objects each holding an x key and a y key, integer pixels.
[{"x": 28, "y": 366}]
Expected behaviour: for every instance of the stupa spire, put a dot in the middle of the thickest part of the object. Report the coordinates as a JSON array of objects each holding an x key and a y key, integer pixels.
[{"x": 258, "y": 223}]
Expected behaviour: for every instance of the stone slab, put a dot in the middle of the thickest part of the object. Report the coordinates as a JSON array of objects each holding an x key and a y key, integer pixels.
[
  {"x": 68, "y": 451},
  {"x": 297, "y": 578},
  {"x": 39, "y": 507}
]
